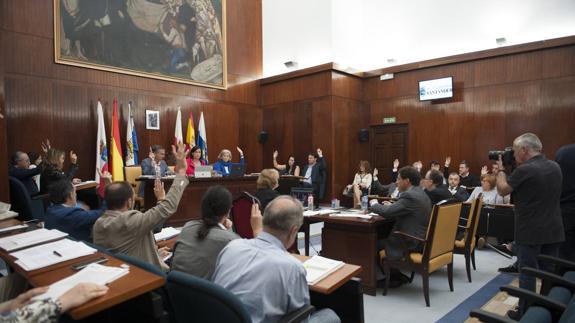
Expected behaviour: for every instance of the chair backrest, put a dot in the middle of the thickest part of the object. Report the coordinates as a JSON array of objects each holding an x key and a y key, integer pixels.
[
  {"x": 133, "y": 172},
  {"x": 22, "y": 203},
  {"x": 196, "y": 299},
  {"x": 473, "y": 218},
  {"x": 442, "y": 230},
  {"x": 301, "y": 194},
  {"x": 241, "y": 214}
]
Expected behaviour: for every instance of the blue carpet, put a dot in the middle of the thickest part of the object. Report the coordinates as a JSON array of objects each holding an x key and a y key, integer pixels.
[{"x": 482, "y": 296}]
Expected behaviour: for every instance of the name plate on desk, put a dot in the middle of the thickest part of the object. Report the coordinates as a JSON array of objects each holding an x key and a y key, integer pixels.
[{"x": 203, "y": 172}]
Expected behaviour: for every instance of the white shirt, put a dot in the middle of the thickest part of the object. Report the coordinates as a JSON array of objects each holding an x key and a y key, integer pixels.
[
  {"x": 308, "y": 174},
  {"x": 489, "y": 197}
]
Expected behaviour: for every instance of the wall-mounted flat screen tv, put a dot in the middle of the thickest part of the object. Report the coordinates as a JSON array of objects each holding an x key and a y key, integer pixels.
[{"x": 436, "y": 89}]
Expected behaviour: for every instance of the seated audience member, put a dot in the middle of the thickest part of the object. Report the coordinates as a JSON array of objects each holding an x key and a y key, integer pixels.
[
  {"x": 494, "y": 169},
  {"x": 361, "y": 183},
  {"x": 128, "y": 231},
  {"x": 196, "y": 159},
  {"x": 434, "y": 187},
  {"x": 23, "y": 309},
  {"x": 224, "y": 163},
  {"x": 35, "y": 161},
  {"x": 53, "y": 169},
  {"x": 154, "y": 165},
  {"x": 65, "y": 215},
  {"x": 489, "y": 190},
  {"x": 389, "y": 190},
  {"x": 458, "y": 192},
  {"x": 201, "y": 241},
  {"x": 434, "y": 165},
  {"x": 467, "y": 180},
  {"x": 287, "y": 169},
  {"x": 267, "y": 280},
  {"x": 21, "y": 169},
  {"x": 411, "y": 213},
  {"x": 267, "y": 183},
  {"x": 314, "y": 174}
]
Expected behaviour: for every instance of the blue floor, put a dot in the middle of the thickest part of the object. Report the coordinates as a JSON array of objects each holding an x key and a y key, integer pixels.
[{"x": 475, "y": 301}]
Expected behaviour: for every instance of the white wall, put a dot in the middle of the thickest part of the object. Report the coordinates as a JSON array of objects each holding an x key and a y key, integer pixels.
[{"x": 363, "y": 34}]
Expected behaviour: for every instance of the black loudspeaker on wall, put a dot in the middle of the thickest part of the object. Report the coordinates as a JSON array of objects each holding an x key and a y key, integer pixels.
[
  {"x": 363, "y": 135},
  {"x": 263, "y": 137}
]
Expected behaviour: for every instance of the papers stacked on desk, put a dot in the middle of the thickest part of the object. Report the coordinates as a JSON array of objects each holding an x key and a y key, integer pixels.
[
  {"x": 14, "y": 227},
  {"x": 318, "y": 268},
  {"x": 30, "y": 238},
  {"x": 93, "y": 273},
  {"x": 319, "y": 212},
  {"x": 166, "y": 233},
  {"x": 85, "y": 183},
  {"x": 51, "y": 253},
  {"x": 354, "y": 215},
  {"x": 5, "y": 212}
]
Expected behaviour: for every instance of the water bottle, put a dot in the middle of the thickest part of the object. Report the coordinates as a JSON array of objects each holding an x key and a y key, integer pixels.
[
  {"x": 333, "y": 203},
  {"x": 310, "y": 202},
  {"x": 364, "y": 202}
]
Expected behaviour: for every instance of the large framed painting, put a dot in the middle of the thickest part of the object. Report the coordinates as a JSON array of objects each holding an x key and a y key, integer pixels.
[{"x": 175, "y": 40}]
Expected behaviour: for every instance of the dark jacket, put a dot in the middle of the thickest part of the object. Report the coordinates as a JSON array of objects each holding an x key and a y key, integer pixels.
[
  {"x": 51, "y": 174},
  {"x": 460, "y": 194},
  {"x": 266, "y": 195},
  {"x": 318, "y": 177},
  {"x": 439, "y": 194},
  {"x": 26, "y": 176},
  {"x": 411, "y": 213},
  {"x": 75, "y": 221}
]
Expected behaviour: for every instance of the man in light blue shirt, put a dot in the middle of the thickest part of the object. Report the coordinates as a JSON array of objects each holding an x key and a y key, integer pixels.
[{"x": 262, "y": 274}]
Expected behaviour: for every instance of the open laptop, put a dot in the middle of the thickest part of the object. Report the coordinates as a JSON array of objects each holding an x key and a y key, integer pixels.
[
  {"x": 237, "y": 170},
  {"x": 203, "y": 171}
]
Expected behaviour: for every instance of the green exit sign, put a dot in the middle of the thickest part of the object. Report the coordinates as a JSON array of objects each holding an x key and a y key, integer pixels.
[{"x": 389, "y": 120}]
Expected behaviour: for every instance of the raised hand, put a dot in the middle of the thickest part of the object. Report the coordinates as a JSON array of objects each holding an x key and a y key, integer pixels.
[
  {"x": 484, "y": 170},
  {"x": 45, "y": 146},
  {"x": 275, "y": 154},
  {"x": 319, "y": 153},
  {"x": 395, "y": 163},
  {"x": 240, "y": 151},
  {"x": 447, "y": 161},
  {"x": 256, "y": 219},
  {"x": 159, "y": 190},
  {"x": 152, "y": 156},
  {"x": 73, "y": 157},
  {"x": 181, "y": 153},
  {"x": 375, "y": 172}
]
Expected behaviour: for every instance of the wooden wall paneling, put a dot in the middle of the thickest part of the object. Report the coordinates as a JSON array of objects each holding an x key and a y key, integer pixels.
[
  {"x": 508, "y": 69},
  {"x": 301, "y": 88},
  {"x": 344, "y": 85},
  {"x": 250, "y": 125},
  {"x": 558, "y": 62},
  {"x": 244, "y": 43},
  {"x": 4, "y": 163},
  {"x": 557, "y": 114}
]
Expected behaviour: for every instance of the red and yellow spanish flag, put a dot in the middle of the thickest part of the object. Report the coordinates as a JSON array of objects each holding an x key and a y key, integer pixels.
[
  {"x": 116, "y": 160},
  {"x": 190, "y": 132}
]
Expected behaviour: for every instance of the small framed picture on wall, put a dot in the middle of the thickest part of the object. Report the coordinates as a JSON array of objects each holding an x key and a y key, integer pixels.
[{"x": 152, "y": 120}]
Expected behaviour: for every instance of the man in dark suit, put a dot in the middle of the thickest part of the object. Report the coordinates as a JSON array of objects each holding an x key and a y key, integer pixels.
[
  {"x": 434, "y": 187},
  {"x": 466, "y": 179},
  {"x": 458, "y": 192},
  {"x": 314, "y": 174},
  {"x": 21, "y": 170},
  {"x": 411, "y": 213}
]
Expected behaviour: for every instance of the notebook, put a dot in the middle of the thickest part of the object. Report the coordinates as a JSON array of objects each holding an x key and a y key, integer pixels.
[
  {"x": 30, "y": 238},
  {"x": 166, "y": 233},
  {"x": 317, "y": 268},
  {"x": 51, "y": 253}
]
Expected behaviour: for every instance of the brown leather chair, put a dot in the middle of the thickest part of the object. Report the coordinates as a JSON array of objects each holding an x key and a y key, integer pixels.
[
  {"x": 133, "y": 172},
  {"x": 466, "y": 245},
  {"x": 437, "y": 248}
]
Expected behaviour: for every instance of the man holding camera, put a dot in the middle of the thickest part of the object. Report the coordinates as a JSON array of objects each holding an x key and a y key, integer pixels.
[{"x": 538, "y": 223}]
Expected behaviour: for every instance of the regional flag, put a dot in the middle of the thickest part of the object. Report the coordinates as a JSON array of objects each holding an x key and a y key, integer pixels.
[
  {"x": 202, "y": 139},
  {"x": 116, "y": 161},
  {"x": 101, "y": 150},
  {"x": 131, "y": 140},
  {"x": 190, "y": 132}
]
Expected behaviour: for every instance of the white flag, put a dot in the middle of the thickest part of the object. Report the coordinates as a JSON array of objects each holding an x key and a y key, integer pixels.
[
  {"x": 202, "y": 139},
  {"x": 101, "y": 148},
  {"x": 178, "y": 134},
  {"x": 129, "y": 143}
]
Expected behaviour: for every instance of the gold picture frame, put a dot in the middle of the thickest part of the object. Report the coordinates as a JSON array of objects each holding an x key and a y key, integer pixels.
[{"x": 171, "y": 40}]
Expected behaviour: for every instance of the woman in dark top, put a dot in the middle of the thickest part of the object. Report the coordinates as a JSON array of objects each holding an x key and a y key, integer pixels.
[
  {"x": 201, "y": 241},
  {"x": 288, "y": 169},
  {"x": 53, "y": 170},
  {"x": 267, "y": 182}
]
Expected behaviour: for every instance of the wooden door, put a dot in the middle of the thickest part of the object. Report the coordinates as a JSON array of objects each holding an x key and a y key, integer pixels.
[{"x": 388, "y": 142}]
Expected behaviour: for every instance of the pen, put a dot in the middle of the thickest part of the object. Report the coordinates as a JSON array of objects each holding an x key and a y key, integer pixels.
[{"x": 57, "y": 253}]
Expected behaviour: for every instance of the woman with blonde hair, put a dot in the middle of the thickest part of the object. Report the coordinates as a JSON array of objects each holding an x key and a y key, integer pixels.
[
  {"x": 267, "y": 182},
  {"x": 488, "y": 189},
  {"x": 224, "y": 163}
]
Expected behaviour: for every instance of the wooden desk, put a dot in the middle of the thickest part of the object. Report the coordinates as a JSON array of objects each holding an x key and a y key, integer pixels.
[
  {"x": 190, "y": 204},
  {"x": 85, "y": 185},
  {"x": 339, "y": 291},
  {"x": 9, "y": 223},
  {"x": 136, "y": 283},
  {"x": 354, "y": 240}
]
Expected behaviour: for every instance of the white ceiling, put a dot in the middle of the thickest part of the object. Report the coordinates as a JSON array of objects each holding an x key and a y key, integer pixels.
[{"x": 364, "y": 34}]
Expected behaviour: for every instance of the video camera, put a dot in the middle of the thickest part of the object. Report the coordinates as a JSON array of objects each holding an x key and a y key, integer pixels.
[{"x": 506, "y": 156}]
